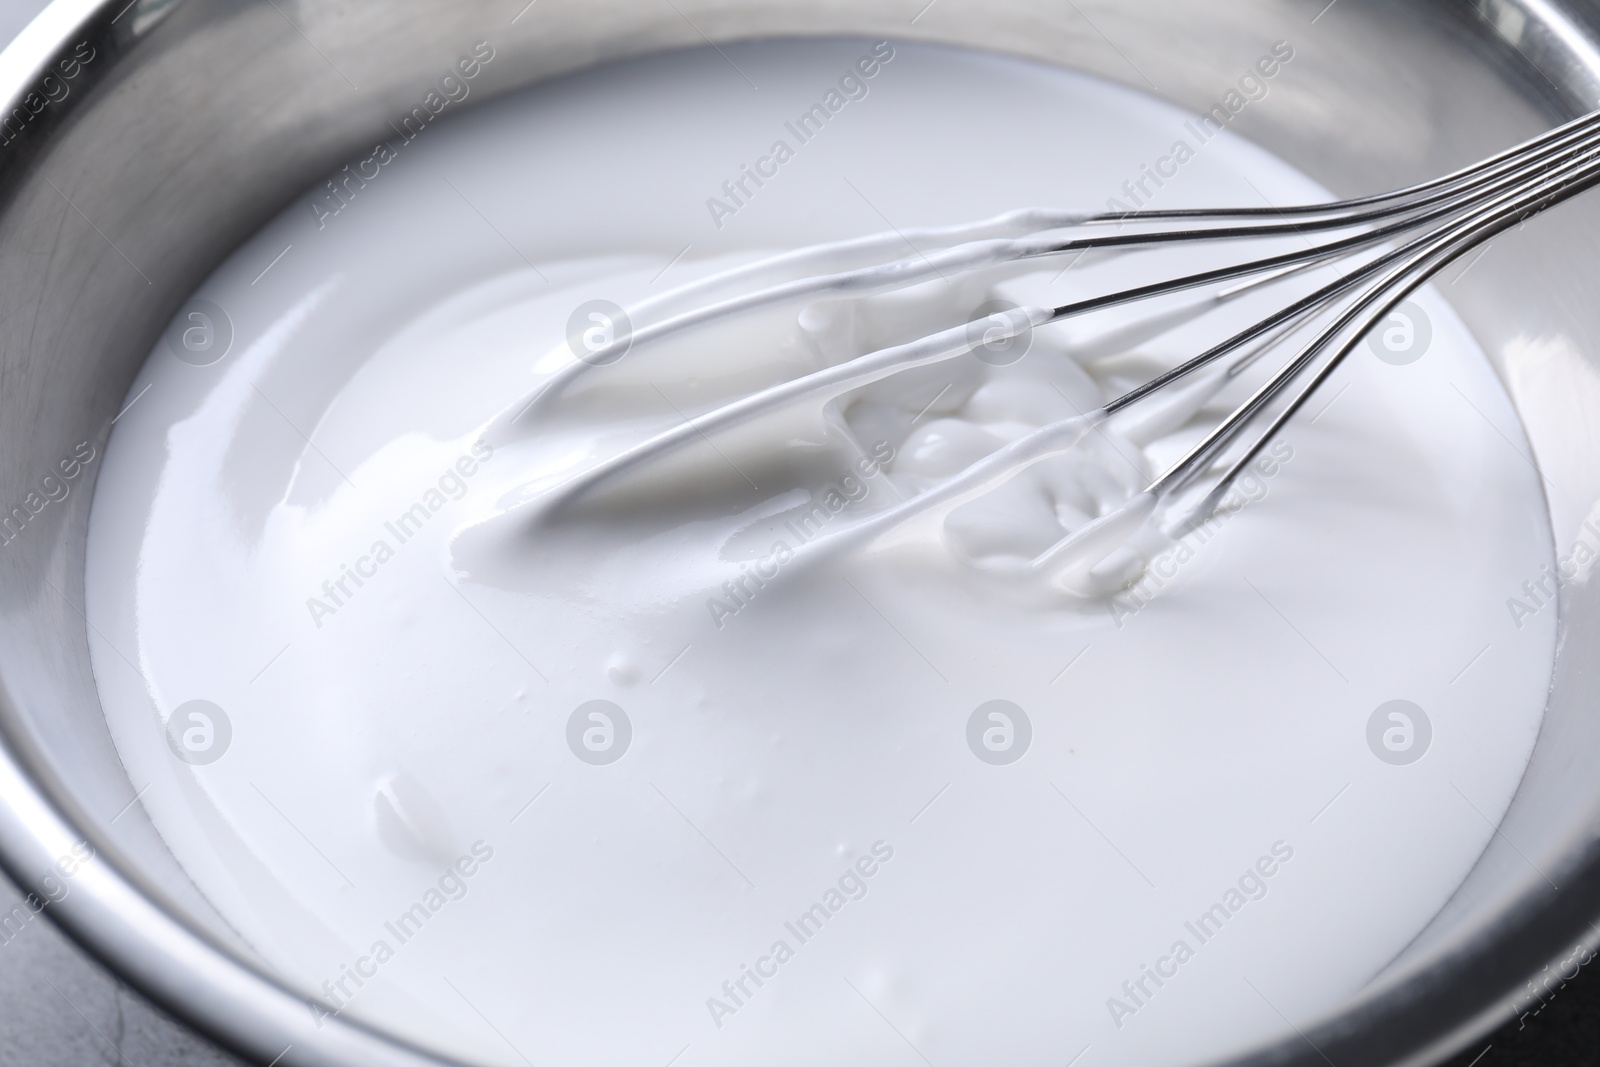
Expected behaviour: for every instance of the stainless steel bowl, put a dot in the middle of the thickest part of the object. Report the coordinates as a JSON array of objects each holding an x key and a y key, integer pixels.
[{"x": 143, "y": 141}]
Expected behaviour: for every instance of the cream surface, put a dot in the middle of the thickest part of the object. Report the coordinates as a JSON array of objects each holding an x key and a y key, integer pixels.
[{"x": 642, "y": 778}]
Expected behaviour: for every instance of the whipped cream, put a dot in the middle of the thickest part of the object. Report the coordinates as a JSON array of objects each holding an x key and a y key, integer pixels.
[{"x": 640, "y": 774}]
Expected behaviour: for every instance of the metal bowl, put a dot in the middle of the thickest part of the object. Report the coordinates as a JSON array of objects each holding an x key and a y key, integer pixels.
[{"x": 142, "y": 141}]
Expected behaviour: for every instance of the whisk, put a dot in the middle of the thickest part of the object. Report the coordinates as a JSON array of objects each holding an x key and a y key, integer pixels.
[{"x": 1384, "y": 247}]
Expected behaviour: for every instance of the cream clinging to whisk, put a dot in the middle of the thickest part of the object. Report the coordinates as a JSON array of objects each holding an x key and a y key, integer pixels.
[{"x": 1384, "y": 246}]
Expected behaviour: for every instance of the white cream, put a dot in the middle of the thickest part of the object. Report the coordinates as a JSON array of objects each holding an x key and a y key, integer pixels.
[{"x": 337, "y": 535}]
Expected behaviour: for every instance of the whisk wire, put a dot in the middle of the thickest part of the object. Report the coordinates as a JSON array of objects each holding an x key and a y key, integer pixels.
[{"x": 1435, "y": 223}]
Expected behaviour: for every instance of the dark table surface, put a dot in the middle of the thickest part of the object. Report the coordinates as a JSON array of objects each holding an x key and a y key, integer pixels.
[{"x": 1565, "y": 1032}]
